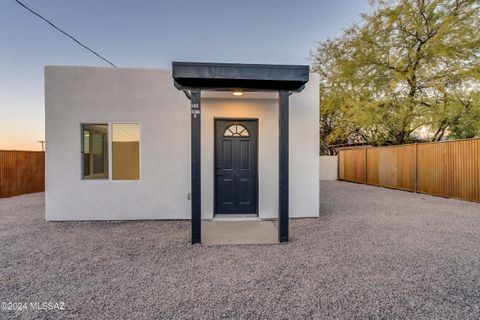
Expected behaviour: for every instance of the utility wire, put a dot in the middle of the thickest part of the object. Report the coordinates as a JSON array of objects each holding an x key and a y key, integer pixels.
[{"x": 71, "y": 37}]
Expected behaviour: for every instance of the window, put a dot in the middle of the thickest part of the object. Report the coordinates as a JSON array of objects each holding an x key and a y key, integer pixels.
[
  {"x": 125, "y": 151},
  {"x": 236, "y": 130},
  {"x": 125, "y": 154},
  {"x": 95, "y": 151}
]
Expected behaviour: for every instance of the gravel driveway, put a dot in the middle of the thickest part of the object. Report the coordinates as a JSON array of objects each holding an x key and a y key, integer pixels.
[{"x": 373, "y": 253}]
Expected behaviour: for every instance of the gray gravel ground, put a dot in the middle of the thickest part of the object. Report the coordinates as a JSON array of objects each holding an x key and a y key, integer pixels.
[{"x": 373, "y": 253}]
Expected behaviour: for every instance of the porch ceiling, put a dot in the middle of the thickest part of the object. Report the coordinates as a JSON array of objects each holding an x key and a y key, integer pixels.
[{"x": 258, "y": 95}]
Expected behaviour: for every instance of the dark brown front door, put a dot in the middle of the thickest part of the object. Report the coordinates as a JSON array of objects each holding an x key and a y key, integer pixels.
[{"x": 236, "y": 163}]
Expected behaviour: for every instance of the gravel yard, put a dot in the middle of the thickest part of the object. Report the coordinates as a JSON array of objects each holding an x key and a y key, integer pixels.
[{"x": 373, "y": 253}]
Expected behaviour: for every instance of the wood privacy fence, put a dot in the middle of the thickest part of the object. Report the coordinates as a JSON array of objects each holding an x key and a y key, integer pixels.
[
  {"x": 21, "y": 172},
  {"x": 447, "y": 169}
]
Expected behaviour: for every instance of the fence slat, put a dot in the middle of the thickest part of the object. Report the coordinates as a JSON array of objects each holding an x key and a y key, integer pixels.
[
  {"x": 448, "y": 169},
  {"x": 21, "y": 172}
]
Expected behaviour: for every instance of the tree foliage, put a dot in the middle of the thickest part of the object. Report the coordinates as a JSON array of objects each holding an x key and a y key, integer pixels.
[{"x": 410, "y": 67}]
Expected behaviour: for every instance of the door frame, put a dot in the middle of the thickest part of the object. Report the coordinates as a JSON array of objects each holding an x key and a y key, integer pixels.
[{"x": 257, "y": 121}]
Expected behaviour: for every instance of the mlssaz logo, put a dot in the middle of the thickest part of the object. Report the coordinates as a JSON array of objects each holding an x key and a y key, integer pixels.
[{"x": 47, "y": 305}]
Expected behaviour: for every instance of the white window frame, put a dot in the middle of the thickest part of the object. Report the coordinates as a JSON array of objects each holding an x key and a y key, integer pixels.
[{"x": 110, "y": 156}]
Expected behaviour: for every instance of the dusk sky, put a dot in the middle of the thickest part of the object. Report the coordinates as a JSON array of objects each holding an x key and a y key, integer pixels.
[{"x": 149, "y": 34}]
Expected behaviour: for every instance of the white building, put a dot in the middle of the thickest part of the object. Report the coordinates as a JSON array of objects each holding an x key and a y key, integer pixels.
[{"x": 201, "y": 140}]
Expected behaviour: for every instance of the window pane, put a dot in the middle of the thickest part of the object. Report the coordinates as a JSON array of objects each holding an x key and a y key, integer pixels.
[
  {"x": 126, "y": 151},
  {"x": 95, "y": 151},
  {"x": 236, "y": 131}
]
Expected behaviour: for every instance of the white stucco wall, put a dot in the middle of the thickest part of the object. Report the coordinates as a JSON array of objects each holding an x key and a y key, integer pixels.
[
  {"x": 328, "y": 167},
  {"x": 75, "y": 95}
]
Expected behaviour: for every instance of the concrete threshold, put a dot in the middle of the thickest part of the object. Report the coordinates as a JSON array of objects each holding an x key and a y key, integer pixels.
[
  {"x": 236, "y": 232},
  {"x": 236, "y": 217}
]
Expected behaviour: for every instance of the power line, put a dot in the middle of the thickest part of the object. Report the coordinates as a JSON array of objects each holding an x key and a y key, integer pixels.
[{"x": 71, "y": 37}]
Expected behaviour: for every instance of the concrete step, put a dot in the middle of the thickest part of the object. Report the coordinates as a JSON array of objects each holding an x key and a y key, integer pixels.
[
  {"x": 239, "y": 232},
  {"x": 235, "y": 217}
]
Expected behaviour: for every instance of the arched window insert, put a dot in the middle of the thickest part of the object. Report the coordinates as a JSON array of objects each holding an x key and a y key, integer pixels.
[{"x": 236, "y": 130}]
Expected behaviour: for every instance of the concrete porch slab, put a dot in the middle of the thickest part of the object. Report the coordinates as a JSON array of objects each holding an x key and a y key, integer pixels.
[{"x": 239, "y": 232}]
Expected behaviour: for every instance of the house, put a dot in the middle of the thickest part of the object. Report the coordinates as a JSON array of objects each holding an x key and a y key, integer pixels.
[{"x": 201, "y": 140}]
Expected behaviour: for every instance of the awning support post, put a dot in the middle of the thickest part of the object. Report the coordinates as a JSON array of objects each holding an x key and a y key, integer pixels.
[
  {"x": 195, "y": 163},
  {"x": 283, "y": 166}
]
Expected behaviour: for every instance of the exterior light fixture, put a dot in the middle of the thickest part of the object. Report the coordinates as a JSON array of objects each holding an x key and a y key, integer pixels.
[{"x": 237, "y": 93}]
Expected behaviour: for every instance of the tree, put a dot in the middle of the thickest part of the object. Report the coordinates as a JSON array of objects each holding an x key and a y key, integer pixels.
[{"x": 410, "y": 64}]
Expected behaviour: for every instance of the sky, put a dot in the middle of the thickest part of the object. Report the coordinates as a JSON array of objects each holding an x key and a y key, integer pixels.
[{"x": 149, "y": 34}]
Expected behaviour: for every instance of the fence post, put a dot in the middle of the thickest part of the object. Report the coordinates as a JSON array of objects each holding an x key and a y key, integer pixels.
[
  {"x": 338, "y": 165},
  {"x": 415, "y": 174},
  {"x": 365, "y": 170}
]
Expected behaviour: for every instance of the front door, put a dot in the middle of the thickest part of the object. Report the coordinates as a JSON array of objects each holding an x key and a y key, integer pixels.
[{"x": 236, "y": 163}]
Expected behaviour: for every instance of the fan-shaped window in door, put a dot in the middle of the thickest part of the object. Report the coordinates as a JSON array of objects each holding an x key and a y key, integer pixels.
[{"x": 236, "y": 130}]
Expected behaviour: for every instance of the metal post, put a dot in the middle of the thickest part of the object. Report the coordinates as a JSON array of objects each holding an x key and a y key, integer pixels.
[
  {"x": 283, "y": 166},
  {"x": 195, "y": 162}
]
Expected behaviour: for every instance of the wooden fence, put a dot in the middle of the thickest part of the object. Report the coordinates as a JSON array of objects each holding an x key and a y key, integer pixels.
[
  {"x": 21, "y": 172},
  {"x": 447, "y": 169}
]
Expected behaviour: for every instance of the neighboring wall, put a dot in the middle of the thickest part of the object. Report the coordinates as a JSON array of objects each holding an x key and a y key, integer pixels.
[
  {"x": 328, "y": 167},
  {"x": 448, "y": 169},
  {"x": 86, "y": 94},
  {"x": 21, "y": 172}
]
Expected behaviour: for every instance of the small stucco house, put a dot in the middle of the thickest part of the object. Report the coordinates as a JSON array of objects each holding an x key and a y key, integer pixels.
[{"x": 198, "y": 141}]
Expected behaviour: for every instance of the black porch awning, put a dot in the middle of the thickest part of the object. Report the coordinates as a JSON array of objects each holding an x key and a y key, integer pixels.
[
  {"x": 197, "y": 76},
  {"x": 230, "y": 76}
]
